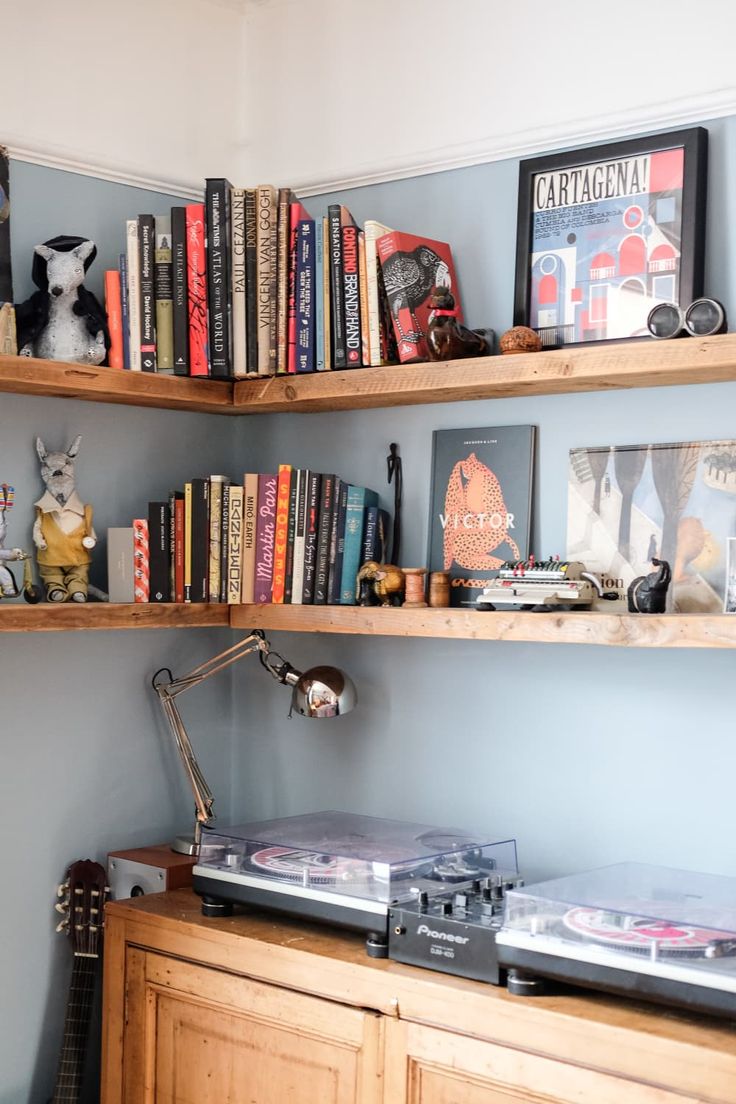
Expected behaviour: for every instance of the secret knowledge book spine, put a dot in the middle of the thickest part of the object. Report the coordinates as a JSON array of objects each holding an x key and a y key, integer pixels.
[
  {"x": 180, "y": 306},
  {"x": 146, "y": 250},
  {"x": 217, "y": 211}
]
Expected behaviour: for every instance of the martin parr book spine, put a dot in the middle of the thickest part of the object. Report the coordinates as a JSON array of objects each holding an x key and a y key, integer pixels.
[
  {"x": 265, "y": 531},
  {"x": 146, "y": 251},
  {"x": 180, "y": 310}
]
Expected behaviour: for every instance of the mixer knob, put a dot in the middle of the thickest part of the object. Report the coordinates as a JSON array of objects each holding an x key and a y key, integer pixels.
[
  {"x": 423, "y": 900},
  {"x": 446, "y": 908},
  {"x": 460, "y": 900}
]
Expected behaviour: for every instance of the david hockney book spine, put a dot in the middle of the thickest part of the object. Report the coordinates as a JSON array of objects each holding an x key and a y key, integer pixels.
[
  {"x": 339, "y": 355},
  {"x": 163, "y": 278},
  {"x": 146, "y": 250},
  {"x": 217, "y": 214},
  {"x": 311, "y": 527},
  {"x": 251, "y": 281},
  {"x": 134, "y": 294},
  {"x": 235, "y": 547},
  {"x": 305, "y": 291},
  {"x": 351, "y": 290},
  {"x": 281, "y": 534},
  {"x": 197, "y": 289},
  {"x": 200, "y": 539},
  {"x": 265, "y": 532},
  {"x": 159, "y": 544},
  {"x": 250, "y": 523},
  {"x": 283, "y": 231},
  {"x": 323, "y": 539},
  {"x": 114, "y": 309},
  {"x": 124, "y": 313},
  {"x": 237, "y": 277},
  {"x": 359, "y": 500},
  {"x": 179, "y": 290}
]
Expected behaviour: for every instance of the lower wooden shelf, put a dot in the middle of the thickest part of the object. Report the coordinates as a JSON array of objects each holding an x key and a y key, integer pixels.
[
  {"x": 45, "y": 617},
  {"x": 613, "y": 629}
]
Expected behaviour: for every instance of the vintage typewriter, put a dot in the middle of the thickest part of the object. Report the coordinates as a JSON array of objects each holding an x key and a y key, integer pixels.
[{"x": 542, "y": 585}]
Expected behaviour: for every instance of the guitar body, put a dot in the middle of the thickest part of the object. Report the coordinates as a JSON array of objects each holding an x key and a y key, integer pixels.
[{"x": 83, "y": 905}]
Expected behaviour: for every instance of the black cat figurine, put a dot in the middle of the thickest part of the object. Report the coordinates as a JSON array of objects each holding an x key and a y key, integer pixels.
[{"x": 648, "y": 593}]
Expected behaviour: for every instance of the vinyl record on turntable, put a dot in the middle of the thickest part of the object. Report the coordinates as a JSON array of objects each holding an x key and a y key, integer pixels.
[{"x": 640, "y": 934}]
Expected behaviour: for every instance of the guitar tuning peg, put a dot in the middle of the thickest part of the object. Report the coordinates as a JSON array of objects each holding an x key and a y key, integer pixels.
[
  {"x": 62, "y": 890},
  {"x": 62, "y": 906},
  {"x": 63, "y": 925}
]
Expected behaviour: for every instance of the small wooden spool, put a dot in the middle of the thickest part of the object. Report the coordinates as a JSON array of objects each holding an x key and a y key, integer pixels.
[
  {"x": 414, "y": 581},
  {"x": 439, "y": 589}
]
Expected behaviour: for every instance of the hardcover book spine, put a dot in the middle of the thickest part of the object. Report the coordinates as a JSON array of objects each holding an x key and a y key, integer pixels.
[
  {"x": 237, "y": 266},
  {"x": 305, "y": 296},
  {"x": 323, "y": 539},
  {"x": 214, "y": 568},
  {"x": 141, "y": 585},
  {"x": 251, "y": 282},
  {"x": 266, "y": 299},
  {"x": 370, "y": 536},
  {"x": 200, "y": 539},
  {"x": 134, "y": 294},
  {"x": 179, "y": 542},
  {"x": 197, "y": 288},
  {"x": 291, "y": 533},
  {"x": 250, "y": 514},
  {"x": 311, "y": 526},
  {"x": 173, "y": 496},
  {"x": 282, "y": 296},
  {"x": 351, "y": 287},
  {"x": 217, "y": 210},
  {"x": 224, "y": 536},
  {"x": 373, "y": 230},
  {"x": 187, "y": 542},
  {"x": 281, "y": 534},
  {"x": 180, "y": 307},
  {"x": 124, "y": 313},
  {"x": 339, "y": 354},
  {"x": 235, "y": 559},
  {"x": 319, "y": 302},
  {"x": 159, "y": 537},
  {"x": 359, "y": 500},
  {"x": 291, "y": 309},
  {"x": 265, "y": 532},
  {"x": 297, "y": 576},
  {"x": 146, "y": 250},
  {"x": 337, "y": 543},
  {"x": 163, "y": 277},
  {"x": 114, "y": 309},
  {"x": 365, "y": 357},
  {"x": 326, "y": 304}
]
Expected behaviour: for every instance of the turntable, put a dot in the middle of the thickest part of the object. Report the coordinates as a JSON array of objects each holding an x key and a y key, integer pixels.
[
  {"x": 646, "y": 931},
  {"x": 343, "y": 868}
]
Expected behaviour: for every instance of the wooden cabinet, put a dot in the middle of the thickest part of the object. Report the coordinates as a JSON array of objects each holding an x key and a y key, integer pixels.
[{"x": 257, "y": 1009}]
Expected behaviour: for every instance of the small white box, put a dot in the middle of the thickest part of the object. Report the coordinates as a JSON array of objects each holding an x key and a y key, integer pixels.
[{"x": 120, "y": 578}]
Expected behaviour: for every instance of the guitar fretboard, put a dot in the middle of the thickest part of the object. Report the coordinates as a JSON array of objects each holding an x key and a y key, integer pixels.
[{"x": 76, "y": 1030}]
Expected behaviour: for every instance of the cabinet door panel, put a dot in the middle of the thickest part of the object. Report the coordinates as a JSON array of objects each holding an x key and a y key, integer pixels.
[
  {"x": 425, "y": 1065},
  {"x": 201, "y": 1036}
]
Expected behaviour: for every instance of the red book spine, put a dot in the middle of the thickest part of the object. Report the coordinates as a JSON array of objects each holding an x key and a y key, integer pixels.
[
  {"x": 141, "y": 561},
  {"x": 179, "y": 550},
  {"x": 351, "y": 293},
  {"x": 291, "y": 336},
  {"x": 265, "y": 529},
  {"x": 281, "y": 533},
  {"x": 114, "y": 308},
  {"x": 199, "y": 364}
]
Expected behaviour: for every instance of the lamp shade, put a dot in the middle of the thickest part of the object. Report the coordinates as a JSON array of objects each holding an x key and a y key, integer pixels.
[{"x": 324, "y": 692}]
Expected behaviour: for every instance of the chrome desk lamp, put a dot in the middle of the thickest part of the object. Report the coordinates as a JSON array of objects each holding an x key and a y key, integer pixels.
[{"x": 318, "y": 692}]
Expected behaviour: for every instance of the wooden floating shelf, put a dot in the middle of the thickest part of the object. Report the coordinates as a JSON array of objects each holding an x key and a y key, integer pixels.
[
  {"x": 27, "y": 376},
  {"x": 603, "y": 367},
  {"x": 46, "y": 617},
  {"x": 611, "y": 629}
]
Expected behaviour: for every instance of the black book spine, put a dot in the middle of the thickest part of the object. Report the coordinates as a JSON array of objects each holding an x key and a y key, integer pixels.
[
  {"x": 224, "y": 534},
  {"x": 217, "y": 215},
  {"x": 159, "y": 544},
  {"x": 200, "y": 539},
  {"x": 251, "y": 281},
  {"x": 173, "y": 496},
  {"x": 181, "y": 299},
  {"x": 323, "y": 539},
  {"x": 337, "y": 544},
  {"x": 146, "y": 247},
  {"x": 339, "y": 355},
  {"x": 291, "y": 533},
  {"x": 311, "y": 525}
]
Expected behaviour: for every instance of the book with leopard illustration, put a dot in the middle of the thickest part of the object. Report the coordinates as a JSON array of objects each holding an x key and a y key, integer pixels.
[{"x": 480, "y": 504}]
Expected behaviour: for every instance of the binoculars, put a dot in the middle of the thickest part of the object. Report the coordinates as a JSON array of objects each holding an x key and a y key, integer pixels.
[{"x": 701, "y": 319}]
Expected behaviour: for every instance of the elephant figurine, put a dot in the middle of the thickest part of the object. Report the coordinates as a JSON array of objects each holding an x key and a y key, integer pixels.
[
  {"x": 379, "y": 584},
  {"x": 648, "y": 593}
]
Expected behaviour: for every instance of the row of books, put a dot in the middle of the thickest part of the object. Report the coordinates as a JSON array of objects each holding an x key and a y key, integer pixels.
[
  {"x": 249, "y": 284},
  {"x": 296, "y": 537}
]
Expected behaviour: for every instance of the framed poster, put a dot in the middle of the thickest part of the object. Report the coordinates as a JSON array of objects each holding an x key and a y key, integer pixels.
[{"x": 606, "y": 233}]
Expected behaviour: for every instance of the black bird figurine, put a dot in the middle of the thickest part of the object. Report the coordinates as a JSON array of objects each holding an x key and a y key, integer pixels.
[{"x": 448, "y": 339}]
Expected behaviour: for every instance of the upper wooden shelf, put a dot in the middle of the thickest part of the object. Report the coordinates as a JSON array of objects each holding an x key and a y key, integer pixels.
[
  {"x": 27, "y": 376},
  {"x": 603, "y": 367},
  {"x": 581, "y": 627},
  {"x": 46, "y": 617},
  {"x": 607, "y": 366}
]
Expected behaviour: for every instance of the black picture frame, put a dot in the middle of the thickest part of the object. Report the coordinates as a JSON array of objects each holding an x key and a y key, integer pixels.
[{"x": 545, "y": 181}]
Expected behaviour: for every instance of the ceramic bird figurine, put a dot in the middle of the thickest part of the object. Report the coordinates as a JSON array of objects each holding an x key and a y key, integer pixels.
[{"x": 448, "y": 339}]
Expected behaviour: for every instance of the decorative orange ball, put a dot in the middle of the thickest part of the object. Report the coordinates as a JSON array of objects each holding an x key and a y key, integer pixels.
[{"x": 520, "y": 339}]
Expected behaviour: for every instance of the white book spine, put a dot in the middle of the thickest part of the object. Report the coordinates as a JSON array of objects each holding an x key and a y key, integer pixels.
[
  {"x": 134, "y": 294},
  {"x": 373, "y": 231},
  {"x": 237, "y": 254},
  {"x": 297, "y": 571},
  {"x": 235, "y": 547}
]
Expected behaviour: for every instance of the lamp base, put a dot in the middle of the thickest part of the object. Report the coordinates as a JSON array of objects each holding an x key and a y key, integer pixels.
[{"x": 187, "y": 845}]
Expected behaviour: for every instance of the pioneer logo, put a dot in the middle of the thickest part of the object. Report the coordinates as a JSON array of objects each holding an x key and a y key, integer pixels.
[{"x": 448, "y": 937}]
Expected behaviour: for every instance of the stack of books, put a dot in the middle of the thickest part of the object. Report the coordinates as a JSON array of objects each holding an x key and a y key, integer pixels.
[
  {"x": 248, "y": 284},
  {"x": 296, "y": 537}
]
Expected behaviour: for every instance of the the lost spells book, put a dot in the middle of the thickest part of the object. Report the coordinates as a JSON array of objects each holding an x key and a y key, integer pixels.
[{"x": 480, "y": 504}]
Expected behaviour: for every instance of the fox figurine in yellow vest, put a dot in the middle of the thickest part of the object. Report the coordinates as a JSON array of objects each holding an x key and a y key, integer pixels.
[{"x": 62, "y": 532}]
